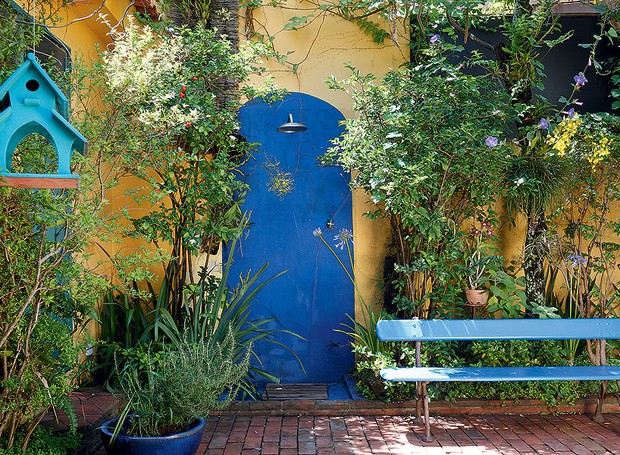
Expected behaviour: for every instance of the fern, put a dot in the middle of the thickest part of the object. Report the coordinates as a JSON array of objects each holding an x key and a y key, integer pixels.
[{"x": 65, "y": 404}]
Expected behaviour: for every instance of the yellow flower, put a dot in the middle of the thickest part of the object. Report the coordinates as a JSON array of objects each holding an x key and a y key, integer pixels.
[
  {"x": 563, "y": 134},
  {"x": 599, "y": 150}
]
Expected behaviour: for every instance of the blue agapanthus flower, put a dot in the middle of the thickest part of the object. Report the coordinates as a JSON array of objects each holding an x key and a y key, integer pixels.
[
  {"x": 576, "y": 260},
  {"x": 343, "y": 237}
]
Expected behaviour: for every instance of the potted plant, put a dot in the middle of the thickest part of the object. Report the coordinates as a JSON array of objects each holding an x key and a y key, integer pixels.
[
  {"x": 479, "y": 263},
  {"x": 166, "y": 404}
]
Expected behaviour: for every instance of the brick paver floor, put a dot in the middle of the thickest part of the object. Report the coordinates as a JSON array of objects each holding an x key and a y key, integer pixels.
[{"x": 379, "y": 435}]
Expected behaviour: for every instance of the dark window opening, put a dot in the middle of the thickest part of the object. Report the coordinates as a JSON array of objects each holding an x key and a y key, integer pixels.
[{"x": 50, "y": 50}]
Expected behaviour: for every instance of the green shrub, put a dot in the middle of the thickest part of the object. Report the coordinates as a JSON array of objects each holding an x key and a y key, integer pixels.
[
  {"x": 477, "y": 353},
  {"x": 507, "y": 353},
  {"x": 184, "y": 385},
  {"x": 367, "y": 367},
  {"x": 45, "y": 441}
]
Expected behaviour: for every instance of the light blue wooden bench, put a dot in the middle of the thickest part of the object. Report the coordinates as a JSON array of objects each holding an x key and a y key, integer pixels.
[{"x": 418, "y": 330}]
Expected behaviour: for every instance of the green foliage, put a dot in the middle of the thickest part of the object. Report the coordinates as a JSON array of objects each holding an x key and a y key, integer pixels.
[
  {"x": 480, "y": 259},
  {"x": 49, "y": 293},
  {"x": 280, "y": 182},
  {"x": 533, "y": 177},
  {"x": 184, "y": 146},
  {"x": 584, "y": 256},
  {"x": 372, "y": 355},
  {"x": 364, "y": 333},
  {"x": 507, "y": 294},
  {"x": 188, "y": 12},
  {"x": 211, "y": 311},
  {"x": 48, "y": 296},
  {"x": 529, "y": 33},
  {"x": 566, "y": 308},
  {"x": 510, "y": 353},
  {"x": 164, "y": 86},
  {"x": 479, "y": 353},
  {"x": 419, "y": 149},
  {"x": 124, "y": 333},
  {"x": 615, "y": 93},
  {"x": 49, "y": 289},
  {"x": 15, "y": 38},
  {"x": 135, "y": 328},
  {"x": 366, "y": 374},
  {"x": 185, "y": 384},
  {"x": 44, "y": 441}
]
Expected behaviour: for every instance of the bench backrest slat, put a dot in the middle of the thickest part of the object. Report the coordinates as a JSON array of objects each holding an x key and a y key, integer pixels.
[{"x": 498, "y": 329}]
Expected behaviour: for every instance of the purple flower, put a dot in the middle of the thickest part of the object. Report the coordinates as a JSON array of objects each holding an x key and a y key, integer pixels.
[
  {"x": 571, "y": 112},
  {"x": 576, "y": 260},
  {"x": 491, "y": 141},
  {"x": 435, "y": 38},
  {"x": 544, "y": 124},
  {"x": 344, "y": 236},
  {"x": 580, "y": 80},
  {"x": 318, "y": 232}
]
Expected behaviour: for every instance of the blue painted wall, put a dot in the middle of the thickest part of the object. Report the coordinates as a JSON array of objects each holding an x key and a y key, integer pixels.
[{"x": 314, "y": 296}]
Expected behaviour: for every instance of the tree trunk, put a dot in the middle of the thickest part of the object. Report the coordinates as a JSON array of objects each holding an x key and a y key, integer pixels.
[
  {"x": 224, "y": 18},
  {"x": 535, "y": 251},
  {"x": 221, "y": 15}
]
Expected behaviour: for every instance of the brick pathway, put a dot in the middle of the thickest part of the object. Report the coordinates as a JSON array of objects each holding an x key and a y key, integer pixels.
[
  {"x": 497, "y": 434},
  {"x": 378, "y": 434}
]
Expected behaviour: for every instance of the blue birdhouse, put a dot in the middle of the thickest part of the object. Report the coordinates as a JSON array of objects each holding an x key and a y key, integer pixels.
[{"x": 30, "y": 102}]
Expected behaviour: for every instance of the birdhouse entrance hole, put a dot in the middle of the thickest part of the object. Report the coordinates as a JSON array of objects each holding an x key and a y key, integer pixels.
[{"x": 32, "y": 85}]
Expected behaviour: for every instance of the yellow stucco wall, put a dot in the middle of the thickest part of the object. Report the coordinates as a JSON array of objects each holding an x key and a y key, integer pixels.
[{"x": 321, "y": 49}]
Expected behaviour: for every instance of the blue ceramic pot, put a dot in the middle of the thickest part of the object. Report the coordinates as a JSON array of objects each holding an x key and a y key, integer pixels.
[{"x": 185, "y": 443}]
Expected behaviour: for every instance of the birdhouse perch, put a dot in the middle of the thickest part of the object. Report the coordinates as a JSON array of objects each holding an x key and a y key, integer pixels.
[{"x": 30, "y": 102}]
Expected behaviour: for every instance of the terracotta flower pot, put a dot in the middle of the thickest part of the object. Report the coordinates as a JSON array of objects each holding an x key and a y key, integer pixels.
[{"x": 476, "y": 297}]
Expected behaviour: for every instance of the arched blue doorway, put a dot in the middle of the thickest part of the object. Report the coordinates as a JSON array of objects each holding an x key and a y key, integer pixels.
[{"x": 314, "y": 296}]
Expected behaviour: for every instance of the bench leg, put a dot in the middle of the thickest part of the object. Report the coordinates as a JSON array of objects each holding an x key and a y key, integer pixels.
[
  {"x": 418, "y": 385},
  {"x": 598, "y": 414},
  {"x": 427, "y": 423},
  {"x": 418, "y": 402}
]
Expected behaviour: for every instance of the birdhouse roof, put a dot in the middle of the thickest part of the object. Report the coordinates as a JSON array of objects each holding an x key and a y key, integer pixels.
[{"x": 29, "y": 65}]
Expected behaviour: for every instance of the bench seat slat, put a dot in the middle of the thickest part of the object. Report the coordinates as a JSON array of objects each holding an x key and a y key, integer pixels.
[
  {"x": 498, "y": 329},
  {"x": 497, "y": 374}
]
